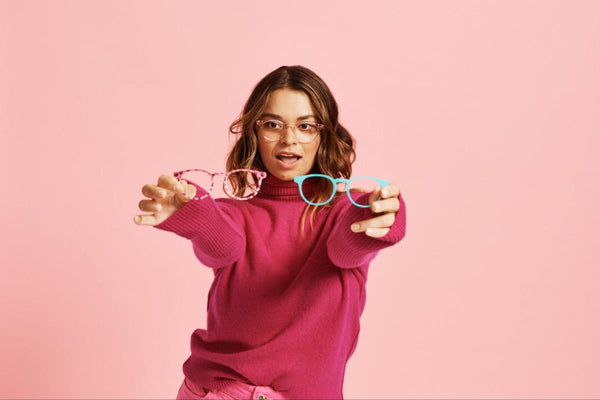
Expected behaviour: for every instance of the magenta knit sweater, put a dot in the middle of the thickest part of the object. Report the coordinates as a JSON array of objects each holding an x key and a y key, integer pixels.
[{"x": 282, "y": 311}]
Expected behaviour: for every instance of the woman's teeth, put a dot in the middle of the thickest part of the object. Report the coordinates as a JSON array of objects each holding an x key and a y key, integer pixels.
[{"x": 288, "y": 159}]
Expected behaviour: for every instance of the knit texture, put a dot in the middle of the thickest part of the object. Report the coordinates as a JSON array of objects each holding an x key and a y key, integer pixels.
[{"x": 283, "y": 311}]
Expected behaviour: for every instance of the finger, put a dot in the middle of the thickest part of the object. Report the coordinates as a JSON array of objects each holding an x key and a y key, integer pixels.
[
  {"x": 387, "y": 205},
  {"x": 189, "y": 190},
  {"x": 149, "y": 205},
  {"x": 170, "y": 182},
  {"x": 188, "y": 193},
  {"x": 144, "y": 220},
  {"x": 377, "y": 232},
  {"x": 184, "y": 186},
  {"x": 382, "y": 221},
  {"x": 390, "y": 190},
  {"x": 373, "y": 196},
  {"x": 181, "y": 199},
  {"x": 154, "y": 192}
]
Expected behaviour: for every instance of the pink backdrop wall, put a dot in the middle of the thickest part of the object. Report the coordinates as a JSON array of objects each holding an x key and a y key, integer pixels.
[{"x": 485, "y": 113}]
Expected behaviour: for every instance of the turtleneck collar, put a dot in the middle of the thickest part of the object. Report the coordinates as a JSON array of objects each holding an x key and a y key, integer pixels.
[{"x": 275, "y": 188}]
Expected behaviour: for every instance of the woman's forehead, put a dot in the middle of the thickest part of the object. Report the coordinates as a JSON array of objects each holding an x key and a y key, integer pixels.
[
  {"x": 277, "y": 116},
  {"x": 290, "y": 104}
]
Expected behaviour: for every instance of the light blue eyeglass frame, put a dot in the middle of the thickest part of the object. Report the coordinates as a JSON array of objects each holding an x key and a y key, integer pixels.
[{"x": 301, "y": 178}]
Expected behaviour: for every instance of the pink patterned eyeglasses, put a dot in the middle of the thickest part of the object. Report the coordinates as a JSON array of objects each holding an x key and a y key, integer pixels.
[{"x": 231, "y": 179}]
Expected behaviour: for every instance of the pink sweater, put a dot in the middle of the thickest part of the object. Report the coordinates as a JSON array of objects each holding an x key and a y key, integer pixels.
[{"x": 282, "y": 312}]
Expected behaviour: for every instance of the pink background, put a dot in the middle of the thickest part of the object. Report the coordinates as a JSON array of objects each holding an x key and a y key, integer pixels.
[{"x": 485, "y": 113}]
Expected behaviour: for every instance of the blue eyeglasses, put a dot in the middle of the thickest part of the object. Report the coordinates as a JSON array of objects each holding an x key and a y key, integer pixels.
[{"x": 360, "y": 182}]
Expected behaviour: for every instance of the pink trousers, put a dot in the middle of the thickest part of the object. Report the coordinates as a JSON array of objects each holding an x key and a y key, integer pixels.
[{"x": 235, "y": 390}]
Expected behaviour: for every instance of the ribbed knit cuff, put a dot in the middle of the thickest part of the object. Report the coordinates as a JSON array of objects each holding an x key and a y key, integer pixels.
[
  {"x": 349, "y": 249},
  {"x": 218, "y": 239}
]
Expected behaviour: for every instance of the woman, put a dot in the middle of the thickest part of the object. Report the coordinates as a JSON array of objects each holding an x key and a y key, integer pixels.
[{"x": 289, "y": 288}]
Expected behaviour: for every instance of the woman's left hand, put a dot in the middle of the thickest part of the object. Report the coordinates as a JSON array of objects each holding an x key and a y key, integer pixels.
[{"x": 384, "y": 209}]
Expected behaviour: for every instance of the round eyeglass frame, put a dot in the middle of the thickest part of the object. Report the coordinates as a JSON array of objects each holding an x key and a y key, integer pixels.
[
  {"x": 261, "y": 122},
  {"x": 260, "y": 174},
  {"x": 301, "y": 178}
]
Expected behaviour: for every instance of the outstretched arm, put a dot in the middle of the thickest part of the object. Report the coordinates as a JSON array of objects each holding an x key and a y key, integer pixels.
[
  {"x": 359, "y": 233},
  {"x": 216, "y": 229}
]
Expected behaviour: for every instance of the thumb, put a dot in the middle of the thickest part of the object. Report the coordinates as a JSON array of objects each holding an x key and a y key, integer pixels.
[
  {"x": 181, "y": 199},
  {"x": 374, "y": 195}
]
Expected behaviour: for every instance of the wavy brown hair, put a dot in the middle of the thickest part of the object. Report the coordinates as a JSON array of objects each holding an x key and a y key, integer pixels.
[{"x": 335, "y": 154}]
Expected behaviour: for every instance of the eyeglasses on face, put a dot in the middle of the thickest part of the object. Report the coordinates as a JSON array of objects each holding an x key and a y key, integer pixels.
[
  {"x": 360, "y": 182},
  {"x": 205, "y": 179},
  {"x": 273, "y": 129}
]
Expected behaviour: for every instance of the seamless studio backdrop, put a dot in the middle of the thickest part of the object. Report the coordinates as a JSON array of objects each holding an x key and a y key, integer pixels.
[{"x": 485, "y": 113}]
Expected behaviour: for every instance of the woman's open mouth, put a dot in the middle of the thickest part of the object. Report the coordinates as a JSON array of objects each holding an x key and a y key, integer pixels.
[{"x": 286, "y": 161}]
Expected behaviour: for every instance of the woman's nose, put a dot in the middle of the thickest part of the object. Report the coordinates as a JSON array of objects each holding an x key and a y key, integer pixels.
[{"x": 289, "y": 135}]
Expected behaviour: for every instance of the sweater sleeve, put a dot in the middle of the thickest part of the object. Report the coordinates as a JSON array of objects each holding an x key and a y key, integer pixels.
[
  {"x": 349, "y": 249},
  {"x": 215, "y": 227}
]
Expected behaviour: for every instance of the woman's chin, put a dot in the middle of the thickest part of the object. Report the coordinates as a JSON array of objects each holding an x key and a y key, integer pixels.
[{"x": 285, "y": 175}]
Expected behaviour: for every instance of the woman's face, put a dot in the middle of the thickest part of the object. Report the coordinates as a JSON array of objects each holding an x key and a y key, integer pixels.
[{"x": 288, "y": 106}]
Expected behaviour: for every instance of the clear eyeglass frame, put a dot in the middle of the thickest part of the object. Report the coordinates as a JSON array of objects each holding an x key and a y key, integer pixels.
[
  {"x": 334, "y": 181},
  {"x": 260, "y": 175},
  {"x": 303, "y": 137}
]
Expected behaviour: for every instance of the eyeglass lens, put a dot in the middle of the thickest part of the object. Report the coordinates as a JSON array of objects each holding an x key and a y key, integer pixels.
[
  {"x": 364, "y": 184},
  {"x": 203, "y": 180},
  {"x": 305, "y": 131}
]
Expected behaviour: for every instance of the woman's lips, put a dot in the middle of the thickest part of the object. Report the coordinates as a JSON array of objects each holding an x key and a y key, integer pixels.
[{"x": 288, "y": 164}]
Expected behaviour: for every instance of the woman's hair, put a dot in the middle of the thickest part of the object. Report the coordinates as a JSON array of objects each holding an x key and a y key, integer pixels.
[{"x": 335, "y": 154}]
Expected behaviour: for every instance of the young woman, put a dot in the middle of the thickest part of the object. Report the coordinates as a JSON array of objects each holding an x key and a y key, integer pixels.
[{"x": 289, "y": 288}]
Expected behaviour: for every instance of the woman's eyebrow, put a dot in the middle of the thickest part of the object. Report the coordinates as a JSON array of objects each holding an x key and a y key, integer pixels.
[{"x": 280, "y": 117}]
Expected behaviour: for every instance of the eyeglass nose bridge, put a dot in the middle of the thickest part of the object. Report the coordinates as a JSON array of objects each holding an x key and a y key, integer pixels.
[
  {"x": 295, "y": 130},
  {"x": 284, "y": 131},
  {"x": 336, "y": 181}
]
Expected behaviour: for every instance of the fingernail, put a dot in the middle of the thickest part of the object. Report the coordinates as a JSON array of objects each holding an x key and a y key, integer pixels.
[{"x": 354, "y": 227}]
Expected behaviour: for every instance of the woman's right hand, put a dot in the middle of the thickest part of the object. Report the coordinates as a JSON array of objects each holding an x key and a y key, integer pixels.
[{"x": 166, "y": 198}]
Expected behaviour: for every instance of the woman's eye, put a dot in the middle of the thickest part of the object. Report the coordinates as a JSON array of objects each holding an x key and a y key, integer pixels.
[
  {"x": 306, "y": 126},
  {"x": 272, "y": 124}
]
